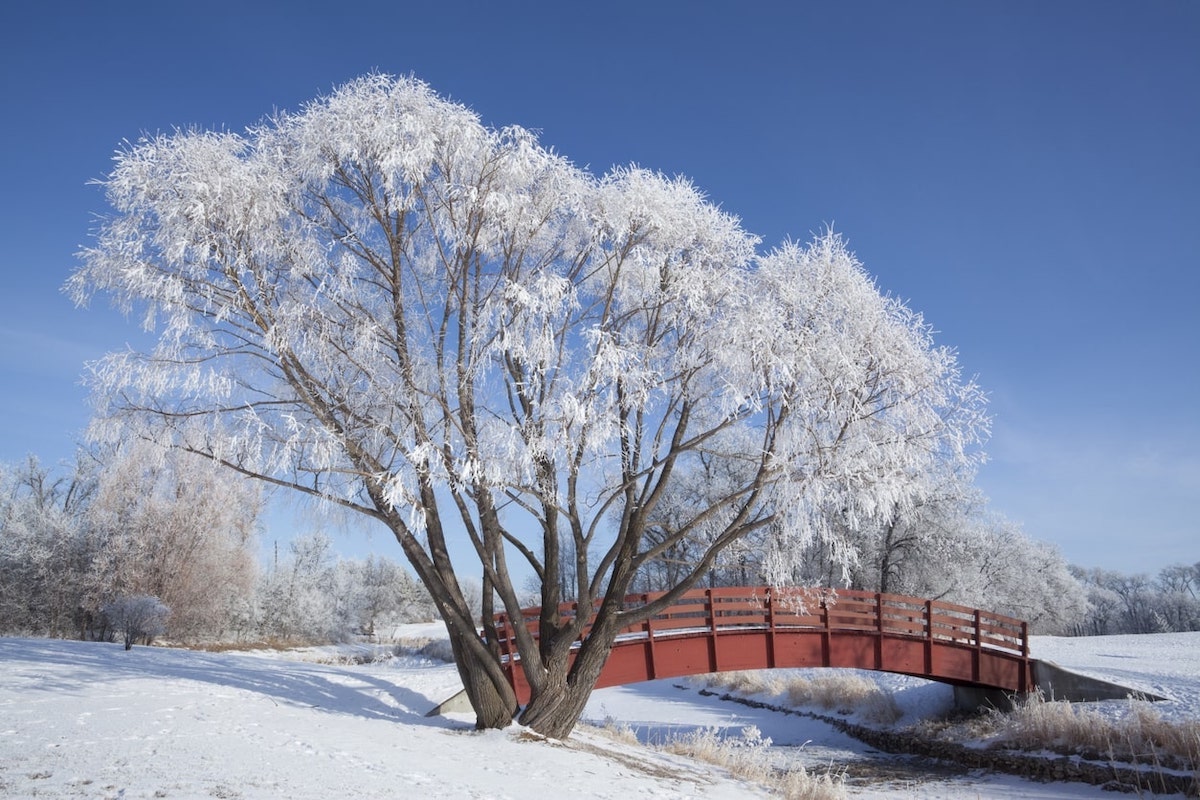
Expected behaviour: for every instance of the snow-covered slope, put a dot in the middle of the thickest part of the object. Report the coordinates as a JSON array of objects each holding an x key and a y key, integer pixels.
[
  {"x": 94, "y": 721},
  {"x": 1161, "y": 664},
  {"x": 88, "y": 720}
]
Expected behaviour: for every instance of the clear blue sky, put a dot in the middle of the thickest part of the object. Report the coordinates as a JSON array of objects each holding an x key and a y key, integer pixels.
[{"x": 1026, "y": 174}]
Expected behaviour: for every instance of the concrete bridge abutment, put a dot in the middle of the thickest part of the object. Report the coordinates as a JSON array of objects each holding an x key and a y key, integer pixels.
[{"x": 1054, "y": 683}]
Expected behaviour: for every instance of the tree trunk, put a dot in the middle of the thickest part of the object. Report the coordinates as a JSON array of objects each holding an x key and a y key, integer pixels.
[
  {"x": 487, "y": 687},
  {"x": 491, "y": 696},
  {"x": 557, "y": 706}
]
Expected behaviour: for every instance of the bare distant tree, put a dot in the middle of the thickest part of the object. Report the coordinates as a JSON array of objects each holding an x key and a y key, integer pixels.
[{"x": 1123, "y": 603}]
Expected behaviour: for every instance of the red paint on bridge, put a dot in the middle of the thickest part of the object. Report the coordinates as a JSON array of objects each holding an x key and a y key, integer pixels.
[{"x": 741, "y": 628}]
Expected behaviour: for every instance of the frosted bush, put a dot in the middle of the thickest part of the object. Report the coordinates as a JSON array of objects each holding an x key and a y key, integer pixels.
[{"x": 137, "y": 617}]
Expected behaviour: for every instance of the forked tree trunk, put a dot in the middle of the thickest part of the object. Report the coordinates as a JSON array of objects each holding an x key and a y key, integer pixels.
[
  {"x": 557, "y": 705},
  {"x": 491, "y": 696}
]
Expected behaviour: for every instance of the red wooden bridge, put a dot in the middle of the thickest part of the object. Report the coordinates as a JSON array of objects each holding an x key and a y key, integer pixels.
[{"x": 741, "y": 628}]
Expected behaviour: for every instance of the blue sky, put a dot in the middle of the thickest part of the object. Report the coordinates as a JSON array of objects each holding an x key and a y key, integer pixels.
[{"x": 1026, "y": 174}]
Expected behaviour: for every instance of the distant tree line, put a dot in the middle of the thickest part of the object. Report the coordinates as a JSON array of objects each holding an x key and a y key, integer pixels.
[
  {"x": 1120, "y": 603},
  {"x": 136, "y": 543},
  {"x": 949, "y": 547},
  {"x": 312, "y": 594}
]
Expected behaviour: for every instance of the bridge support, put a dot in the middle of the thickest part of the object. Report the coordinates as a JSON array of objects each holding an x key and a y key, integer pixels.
[
  {"x": 1054, "y": 682},
  {"x": 969, "y": 699},
  {"x": 1057, "y": 683},
  {"x": 458, "y": 702}
]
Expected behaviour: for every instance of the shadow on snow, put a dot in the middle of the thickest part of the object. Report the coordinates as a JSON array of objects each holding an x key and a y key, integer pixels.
[{"x": 333, "y": 689}]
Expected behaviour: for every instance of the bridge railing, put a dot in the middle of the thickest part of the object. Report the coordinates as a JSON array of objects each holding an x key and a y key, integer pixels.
[{"x": 713, "y": 611}]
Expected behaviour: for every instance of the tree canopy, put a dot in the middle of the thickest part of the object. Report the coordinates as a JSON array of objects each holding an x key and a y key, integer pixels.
[{"x": 382, "y": 302}]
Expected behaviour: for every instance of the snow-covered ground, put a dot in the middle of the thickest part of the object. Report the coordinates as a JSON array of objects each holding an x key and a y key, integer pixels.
[
  {"x": 88, "y": 720},
  {"x": 1165, "y": 665}
]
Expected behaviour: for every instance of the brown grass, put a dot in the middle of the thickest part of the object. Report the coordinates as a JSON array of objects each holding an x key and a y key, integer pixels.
[
  {"x": 248, "y": 646},
  {"x": 843, "y": 692},
  {"x": 1141, "y": 736},
  {"x": 347, "y": 655}
]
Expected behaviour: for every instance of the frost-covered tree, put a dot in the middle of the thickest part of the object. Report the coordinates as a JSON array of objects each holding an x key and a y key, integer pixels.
[
  {"x": 131, "y": 520},
  {"x": 311, "y": 595},
  {"x": 380, "y": 591},
  {"x": 380, "y": 302},
  {"x": 138, "y": 617},
  {"x": 950, "y": 547},
  {"x": 1022, "y": 577},
  {"x": 1179, "y": 597},
  {"x": 915, "y": 548},
  {"x": 45, "y": 550},
  {"x": 1105, "y": 612},
  {"x": 298, "y": 597},
  {"x": 170, "y": 525}
]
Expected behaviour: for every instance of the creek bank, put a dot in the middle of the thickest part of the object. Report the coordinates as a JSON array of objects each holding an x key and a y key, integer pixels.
[{"x": 1042, "y": 766}]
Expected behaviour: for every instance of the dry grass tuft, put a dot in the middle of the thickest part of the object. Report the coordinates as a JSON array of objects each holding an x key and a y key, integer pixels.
[
  {"x": 843, "y": 692},
  {"x": 619, "y": 732},
  {"x": 436, "y": 649},
  {"x": 749, "y": 758},
  {"x": 881, "y": 709},
  {"x": 1141, "y": 736},
  {"x": 746, "y": 683}
]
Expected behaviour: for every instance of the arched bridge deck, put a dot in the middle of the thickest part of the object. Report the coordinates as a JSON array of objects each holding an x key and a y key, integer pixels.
[{"x": 740, "y": 628}]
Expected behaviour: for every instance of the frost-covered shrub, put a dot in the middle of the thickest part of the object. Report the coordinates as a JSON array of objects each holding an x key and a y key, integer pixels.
[
  {"x": 136, "y": 617},
  {"x": 124, "y": 521}
]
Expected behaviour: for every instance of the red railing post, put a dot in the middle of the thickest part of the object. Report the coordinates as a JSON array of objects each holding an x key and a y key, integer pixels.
[
  {"x": 506, "y": 649},
  {"x": 977, "y": 656},
  {"x": 826, "y": 644},
  {"x": 771, "y": 659},
  {"x": 878, "y": 630},
  {"x": 712, "y": 630},
  {"x": 929, "y": 637},
  {"x": 1025, "y": 679},
  {"x": 649, "y": 625}
]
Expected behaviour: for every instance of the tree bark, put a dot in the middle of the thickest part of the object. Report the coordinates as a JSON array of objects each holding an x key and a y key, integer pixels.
[
  {"x": 557, "y": 705},
  {"x": 492, "y": 698}
]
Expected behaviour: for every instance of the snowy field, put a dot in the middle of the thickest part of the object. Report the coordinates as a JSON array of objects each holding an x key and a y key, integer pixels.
[{"x": 88, "y": 720}]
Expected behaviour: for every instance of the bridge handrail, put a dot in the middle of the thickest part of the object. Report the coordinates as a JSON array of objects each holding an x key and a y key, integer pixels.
[{"x": 713, "y": 611}]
